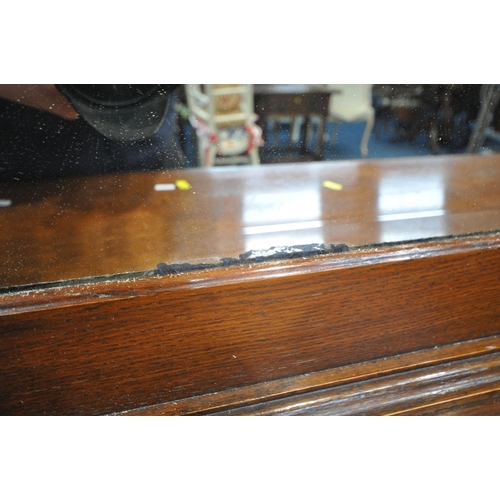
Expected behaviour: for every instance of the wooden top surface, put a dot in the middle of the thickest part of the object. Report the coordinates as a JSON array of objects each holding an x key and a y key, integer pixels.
[{"x": 95, "y": 226}]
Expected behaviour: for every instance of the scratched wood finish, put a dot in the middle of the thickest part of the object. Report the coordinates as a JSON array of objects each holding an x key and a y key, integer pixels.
[
  {"x": 113, "y": 347},
  {"x": 106, "y": 225}
]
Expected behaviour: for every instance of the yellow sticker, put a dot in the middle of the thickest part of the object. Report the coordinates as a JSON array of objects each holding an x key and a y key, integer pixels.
[
  {"x": 333, "y": 185},
  {"x": 183, "y": 185}
]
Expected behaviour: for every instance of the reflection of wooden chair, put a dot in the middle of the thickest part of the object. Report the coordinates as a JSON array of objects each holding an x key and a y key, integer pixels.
[
  {"x": 352, "y": 103},
  {"x": 224, "y": 119}
]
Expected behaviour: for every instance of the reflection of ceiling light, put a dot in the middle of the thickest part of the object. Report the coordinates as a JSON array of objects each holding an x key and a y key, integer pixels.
[
  {"x": 261, "y": 207},
  {"x": 399, "y": 194},
  {"x": 411, "y": 215},
  {"x": 419, "y": 198},
  {"x": 271, "y": 218},
  {"x": 271, "y": 228}
]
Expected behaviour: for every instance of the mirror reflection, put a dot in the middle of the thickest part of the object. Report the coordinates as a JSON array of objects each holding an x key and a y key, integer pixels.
[{"x": 99, "y": 180}]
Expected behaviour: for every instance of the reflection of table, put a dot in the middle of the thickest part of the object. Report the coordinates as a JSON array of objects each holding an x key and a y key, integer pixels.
[
  {"x": 408, "y": 328},
  {"x": 294, "y": 100}
]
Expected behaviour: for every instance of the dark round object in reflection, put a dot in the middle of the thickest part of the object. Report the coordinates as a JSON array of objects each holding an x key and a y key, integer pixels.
[
  {"x": 36, "y": 145},
  {"x": 115, "y": 95},
  {"x": 122, "y": 112}
]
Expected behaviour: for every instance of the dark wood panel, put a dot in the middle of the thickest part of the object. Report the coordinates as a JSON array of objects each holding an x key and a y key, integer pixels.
[
  {"x": 111, "y": 347},
  {"x": 292, "y": 105},
  {"x": 292, "y": 89}
]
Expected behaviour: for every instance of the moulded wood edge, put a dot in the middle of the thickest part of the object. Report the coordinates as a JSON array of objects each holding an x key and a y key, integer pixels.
[
  {"x": 445, "y": 385},
  {"x": 279, "y": 390},
  {"x": 81, "y": 292}
]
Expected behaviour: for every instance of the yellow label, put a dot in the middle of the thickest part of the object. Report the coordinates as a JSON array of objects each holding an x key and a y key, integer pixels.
[
  {"x": 333, "y": 185},
  {"x": 183, "y": 185}
]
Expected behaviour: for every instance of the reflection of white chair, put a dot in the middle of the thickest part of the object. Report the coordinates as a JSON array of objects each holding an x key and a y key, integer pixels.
[
  {"x": 352, "y": 103},
  {"x": 224, "y": 119}
]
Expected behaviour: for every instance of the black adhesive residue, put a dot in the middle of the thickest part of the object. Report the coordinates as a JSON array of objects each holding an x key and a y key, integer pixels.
[{"x": 272, "y": 254}]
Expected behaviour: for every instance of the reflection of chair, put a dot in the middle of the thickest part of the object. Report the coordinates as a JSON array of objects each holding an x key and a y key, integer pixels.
[
  {"x": 352, "y": 103},
  {"x": 224, "y": 119}
]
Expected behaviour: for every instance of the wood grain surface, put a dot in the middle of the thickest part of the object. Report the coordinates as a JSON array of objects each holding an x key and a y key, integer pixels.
[{"x": 113, "y": 347}]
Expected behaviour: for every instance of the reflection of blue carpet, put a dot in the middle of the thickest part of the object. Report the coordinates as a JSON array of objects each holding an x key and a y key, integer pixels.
[
  {"x": 347, "y": 146},
  {"x": 380, "y": 145}
]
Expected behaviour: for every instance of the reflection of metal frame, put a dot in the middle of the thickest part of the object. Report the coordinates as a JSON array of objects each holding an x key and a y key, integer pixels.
[{"x": 490, "y": 94}]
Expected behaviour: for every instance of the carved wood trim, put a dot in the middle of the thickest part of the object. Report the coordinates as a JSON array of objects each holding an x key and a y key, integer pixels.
[{"x": 417, "y": 392}]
